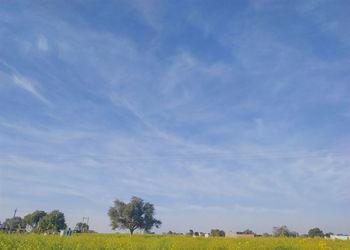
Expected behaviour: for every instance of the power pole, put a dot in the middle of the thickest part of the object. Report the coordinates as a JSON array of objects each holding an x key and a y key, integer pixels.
[
  {"x": 87, "y": 221},
  {"x": 14, "y": 215}
]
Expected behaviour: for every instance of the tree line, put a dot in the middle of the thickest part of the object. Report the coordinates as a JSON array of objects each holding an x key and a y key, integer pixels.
[
  {"x": 135, "y": 215},
  {"x": 276, "y": 232},
  {"x": 138, "y": 214},
  {"x": 40, "y": 221}
]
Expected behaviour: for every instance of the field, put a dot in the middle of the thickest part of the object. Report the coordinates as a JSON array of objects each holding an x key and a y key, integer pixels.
[{"x": 124, "y": 241}]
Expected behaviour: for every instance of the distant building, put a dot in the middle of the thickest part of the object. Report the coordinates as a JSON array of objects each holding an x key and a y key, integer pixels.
[
  {"x": 238, "y": 234},
  {"x": 340, "y": 237},
  {"x": 196, "y": 234}
]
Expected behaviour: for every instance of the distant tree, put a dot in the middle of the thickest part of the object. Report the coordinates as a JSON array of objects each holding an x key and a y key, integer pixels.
[
  {"x": 248, "y": 231},
  {"x": 133, "y": 215},
  {"x": 170, "y": 232},
  {"x": 293, "y": 234},
  {"x": 283, "y": 231},
  {"x": 81, "y": 227},
  {"x": 190, "y": 232},
  {"x": 315, "y": 232},
  {"x": 27, "y": 220},
  {"x": 14, "y": 223},
  {"x": 266, "y": 235},
  {"x": 328, "y": 235},
  {"x": 217, "y": 233},
  {"x": 54, "y": 221},
  {"x": 196, "y": 234},
  {"x": 33, "y": 218}
]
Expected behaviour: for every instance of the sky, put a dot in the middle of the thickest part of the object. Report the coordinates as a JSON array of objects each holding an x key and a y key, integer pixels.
[{"x": 223, "y": 114}]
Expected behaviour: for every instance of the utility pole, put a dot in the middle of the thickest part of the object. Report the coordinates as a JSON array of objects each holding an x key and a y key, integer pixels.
[
  {"x": 14, "y": 215},
  {"x": 87, "y": 221}
]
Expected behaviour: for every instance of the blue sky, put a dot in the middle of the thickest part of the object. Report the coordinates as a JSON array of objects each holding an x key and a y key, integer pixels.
[{"x": 223, "y": 114}]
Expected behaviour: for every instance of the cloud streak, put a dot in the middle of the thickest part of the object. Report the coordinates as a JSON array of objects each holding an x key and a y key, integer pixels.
[
  {"x": 28, "y": 86},
  {"x": 42, "y": 43},
  {"x": 218, "y": 115}
]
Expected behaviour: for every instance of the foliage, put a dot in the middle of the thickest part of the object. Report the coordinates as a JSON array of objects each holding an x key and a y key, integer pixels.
[
  {"x": 148, "y": 241},
  {"x": 328, "y": 235},
  {"x": 283, "y": 231},
  {"x": 133, "y": 215},
  {"x": 33, "y": 218},
  {"x": 315, "y": 232},
  {"x": 217, "y": 233},
  {"x": 190, "y": 232},
  {"x": 14, "y": 223},
  {"x": 53, "y": 221},
  {"x": 248, "y": 231},
  {"x": 81, "y": 227}
]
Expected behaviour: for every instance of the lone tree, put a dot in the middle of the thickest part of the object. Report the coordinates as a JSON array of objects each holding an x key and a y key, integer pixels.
[
  {"x": 315, "y": 232},
  {"x": 133, "y": 215},
  {"x": 283, "y": 231},
  {"x": 190, "y": 232},
  {"x": 266, "y": 235},
  {"x": 248, "y": 231},
  {"x": 217, "y": 233}
]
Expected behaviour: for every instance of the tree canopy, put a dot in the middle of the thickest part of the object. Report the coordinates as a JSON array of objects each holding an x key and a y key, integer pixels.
[
  {"x": 14, "y": 223},
  {"x": 54, "y": 221},
  {"x": 283, "y": 231},
  {"x": 190, "y": 232},
  {"x": 81, "y": 227},
  {"x": 133, "y": 215},
  {"x": 34, "y": 218},
  {"x": 315, "y": 232},
  {"x": 217, "y": 233},
  {"x": 248, "y": 231}
]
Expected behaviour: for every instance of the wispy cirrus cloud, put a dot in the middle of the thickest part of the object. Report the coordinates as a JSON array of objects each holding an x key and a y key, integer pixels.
[
  {"x": 42, "y": 43},
  {"x": 186, "y": 107},
  {"x": 28, "y": 86}
]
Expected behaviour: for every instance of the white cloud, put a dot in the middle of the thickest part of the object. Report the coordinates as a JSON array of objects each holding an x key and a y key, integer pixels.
[
  {"x": 264, "y": 209},
  {"x": 27, "y": 85},
  {"x": 159, "y": 99},
  {"x": 149, "y": 11},
  {"x": 42, "y": 43}
]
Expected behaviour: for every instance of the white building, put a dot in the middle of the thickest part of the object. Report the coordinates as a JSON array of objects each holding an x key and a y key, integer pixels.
[{"x": 340, "y": 237}]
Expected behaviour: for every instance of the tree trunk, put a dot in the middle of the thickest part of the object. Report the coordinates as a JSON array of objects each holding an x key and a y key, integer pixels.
[{"x": 131, "y": 231}]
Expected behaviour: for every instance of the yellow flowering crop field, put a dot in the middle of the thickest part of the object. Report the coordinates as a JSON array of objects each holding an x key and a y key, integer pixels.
[{"x": 142, "y": 241}]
